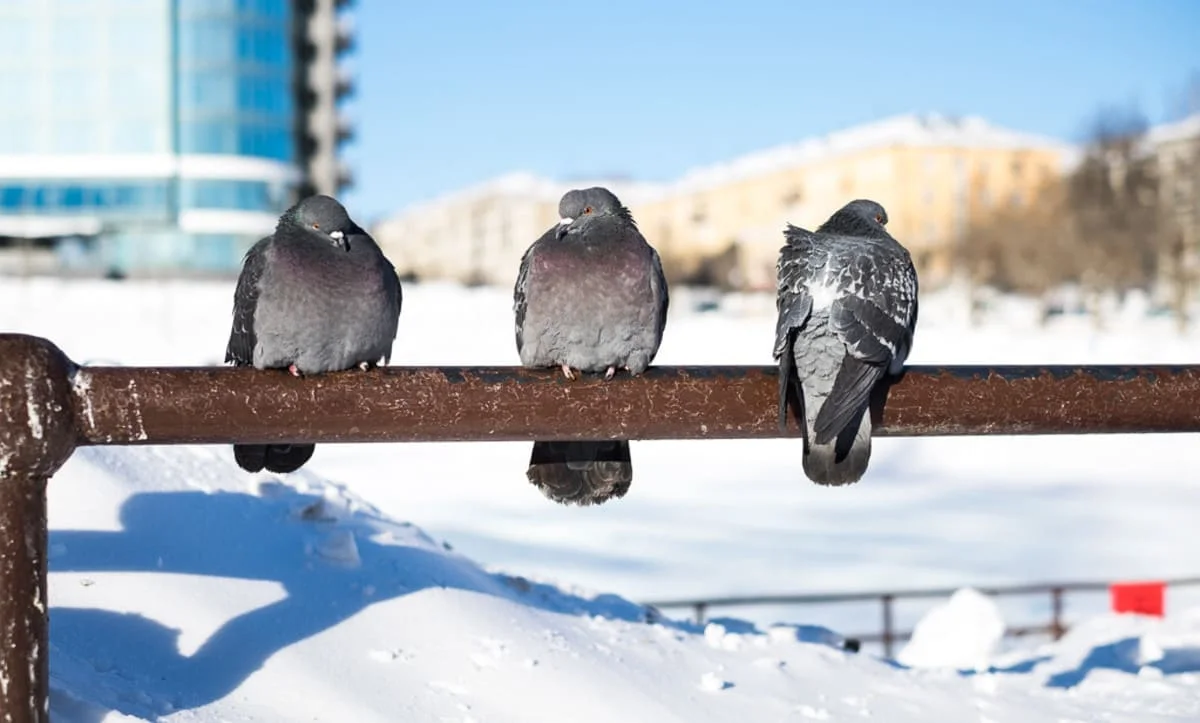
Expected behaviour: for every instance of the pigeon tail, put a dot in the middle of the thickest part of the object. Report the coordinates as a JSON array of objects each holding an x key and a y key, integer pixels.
[
  {"x": 844, "y": 460},
  {"x": 277, "y": 458},
  {"x": 581, "y": 473}
]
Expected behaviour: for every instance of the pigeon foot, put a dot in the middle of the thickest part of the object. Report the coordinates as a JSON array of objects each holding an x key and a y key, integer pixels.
[
  {"x": 567, "y": 372},
  {"x": 610, "y": 373},
  {"x": 293, "y": 370}
]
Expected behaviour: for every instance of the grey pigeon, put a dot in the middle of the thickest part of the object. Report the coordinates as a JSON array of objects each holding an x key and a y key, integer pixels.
[
  {"x": 590, "y": 297},
  {"x": 847, "y": 312},
  {"x": 316, "y": 296}
]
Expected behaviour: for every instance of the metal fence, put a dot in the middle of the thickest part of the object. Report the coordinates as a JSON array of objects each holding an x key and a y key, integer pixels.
[
  {"x": 887, "y": 634},
  {"x": 49, "y": 406}
]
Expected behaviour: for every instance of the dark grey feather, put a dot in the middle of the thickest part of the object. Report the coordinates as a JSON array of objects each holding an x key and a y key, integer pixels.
[
  {"x": 240, "y": 349},
  {"x": 850, "y": 395},
  {"x": 847, "y": 304}
]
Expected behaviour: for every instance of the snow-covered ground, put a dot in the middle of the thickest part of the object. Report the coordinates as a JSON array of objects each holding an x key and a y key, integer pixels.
[{"x": 179, "y": 583}]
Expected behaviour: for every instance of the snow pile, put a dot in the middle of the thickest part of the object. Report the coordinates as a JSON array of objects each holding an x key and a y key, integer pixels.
[
  {"x": 185, "y": 590},
  {"x": 961, "y": 633}
]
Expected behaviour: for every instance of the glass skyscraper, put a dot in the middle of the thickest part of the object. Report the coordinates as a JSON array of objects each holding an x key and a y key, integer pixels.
[{"x": 149, "y": 135}]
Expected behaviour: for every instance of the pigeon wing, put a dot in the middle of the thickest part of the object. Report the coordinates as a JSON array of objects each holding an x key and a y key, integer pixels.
[
  {"x": 242, "y": 338},
  {"x": 794, "y": 270},
  {"x": 876, "y": 323},
  {"x": 658, "y": 285}
]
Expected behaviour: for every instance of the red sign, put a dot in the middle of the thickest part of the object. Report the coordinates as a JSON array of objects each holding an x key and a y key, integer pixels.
[{"x": 1143, "y": 598}]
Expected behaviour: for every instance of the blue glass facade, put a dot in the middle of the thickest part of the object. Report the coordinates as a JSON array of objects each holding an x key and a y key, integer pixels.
[
  {"x": 108, "y": 104},
  {"x": 235, "y": 69},
  {"x": 105, "y": 198}
]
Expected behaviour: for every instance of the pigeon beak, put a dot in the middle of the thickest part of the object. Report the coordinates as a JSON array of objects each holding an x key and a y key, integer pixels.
[
  {"x": 340, "y": 238},
  {"x": 564, "y": 225}
]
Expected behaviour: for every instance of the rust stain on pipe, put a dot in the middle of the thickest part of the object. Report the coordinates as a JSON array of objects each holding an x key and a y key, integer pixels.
[{"x": 126, "y": 405}]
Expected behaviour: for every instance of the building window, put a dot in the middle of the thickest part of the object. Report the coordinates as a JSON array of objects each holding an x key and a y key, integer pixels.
[
  {"x": 236, "y": 78},
  {"x": 233, "y": 195},
  {"x": 72, "y": 197}
]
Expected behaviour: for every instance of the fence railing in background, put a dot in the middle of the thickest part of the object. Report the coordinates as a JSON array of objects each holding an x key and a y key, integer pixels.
[
  {"x": 887, "y": 634},
  {"x": 49, "y": 406}
]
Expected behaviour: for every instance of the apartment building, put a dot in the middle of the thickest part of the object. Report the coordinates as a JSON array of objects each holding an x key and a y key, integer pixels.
[{"x": 935, "y": 175}]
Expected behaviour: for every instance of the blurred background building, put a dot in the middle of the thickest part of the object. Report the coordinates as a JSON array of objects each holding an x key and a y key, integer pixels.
[
  {"x": 163, "y": 136},
  {"x": 947, "y": 182},
  {"x": 722, "y": 225}
]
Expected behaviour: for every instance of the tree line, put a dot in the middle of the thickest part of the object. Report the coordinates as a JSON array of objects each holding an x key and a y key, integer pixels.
[{"x": 1118, "y": 221}]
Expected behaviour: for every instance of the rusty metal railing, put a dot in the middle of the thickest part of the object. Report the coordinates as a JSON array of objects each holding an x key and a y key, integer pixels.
[
  {"x": 49, "y": 406},
  {"x": 888, "y": 635}
]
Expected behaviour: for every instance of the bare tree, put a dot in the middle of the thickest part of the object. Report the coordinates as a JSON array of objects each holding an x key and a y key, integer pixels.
[
  {"x": 1025, "y": 250},
  {"x": 1112, "y": 201},
  {"x": 1179, "y": 203}
]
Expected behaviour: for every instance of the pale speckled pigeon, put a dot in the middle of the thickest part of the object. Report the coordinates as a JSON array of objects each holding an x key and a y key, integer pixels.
[
  {"x": 316, "y": 296},
  {"x": 590, "y": 296},
  {"x": 847, "y": 302}
]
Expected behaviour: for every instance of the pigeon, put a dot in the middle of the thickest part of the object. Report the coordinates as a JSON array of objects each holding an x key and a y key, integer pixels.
[
  {"x": 590, "y": 297},
  {"x": 847, "y": 302},
  {"x": 316, "y": 296}
]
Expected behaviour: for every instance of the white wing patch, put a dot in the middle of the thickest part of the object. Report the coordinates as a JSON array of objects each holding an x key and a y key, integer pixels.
[
  {"x": 824, "y": 287},
  {"x": 823, "y": 293}
]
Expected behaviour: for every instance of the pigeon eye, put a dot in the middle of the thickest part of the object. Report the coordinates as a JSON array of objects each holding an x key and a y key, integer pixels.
[
  {"x": 879, "y": 218},
  {"x": 316, "y": 225},
  {"x": 588, "y": 209}
]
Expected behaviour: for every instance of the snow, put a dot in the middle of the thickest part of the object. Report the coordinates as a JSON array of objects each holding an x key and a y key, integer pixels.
[
  {"x": 182, "y": 589},
  {"x": 963, "y": 632}
]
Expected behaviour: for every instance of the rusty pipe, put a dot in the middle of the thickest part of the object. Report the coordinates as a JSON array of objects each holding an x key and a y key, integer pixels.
[{"x": 130, "y": 405}]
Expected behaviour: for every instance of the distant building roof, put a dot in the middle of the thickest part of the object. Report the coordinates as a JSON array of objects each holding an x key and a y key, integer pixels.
[
  {"x": 915, "y": 129},
  {"x": 1179, "y": 130}
]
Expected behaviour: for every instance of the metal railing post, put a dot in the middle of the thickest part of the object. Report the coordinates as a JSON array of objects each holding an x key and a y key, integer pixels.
[
  {"x": 888, "y": 627},
  {"x": 37, "y": 435},
  {"x": 1056, "y": 613}
]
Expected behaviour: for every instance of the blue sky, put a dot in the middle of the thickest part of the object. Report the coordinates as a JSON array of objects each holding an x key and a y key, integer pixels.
[{"x": 453, "y": 93}]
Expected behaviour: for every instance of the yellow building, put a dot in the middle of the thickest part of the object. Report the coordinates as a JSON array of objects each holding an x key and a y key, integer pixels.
[{"x": 934, "y": 174}]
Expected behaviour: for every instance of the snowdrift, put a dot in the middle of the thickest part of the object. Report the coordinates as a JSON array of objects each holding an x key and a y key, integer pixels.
[{"x": 185, "y": 590}]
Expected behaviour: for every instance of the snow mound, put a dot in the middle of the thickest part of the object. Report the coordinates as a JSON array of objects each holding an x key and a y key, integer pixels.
[
  {"x": 185, "y": 590},
  {"x": 961, "y": 633}
]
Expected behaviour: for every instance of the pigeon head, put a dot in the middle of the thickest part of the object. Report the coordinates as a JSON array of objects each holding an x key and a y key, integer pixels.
[
  {"x": 861, "y": 217},
  {"x": 325, "y": 216},
  {"x": 580, "y": 208}
]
